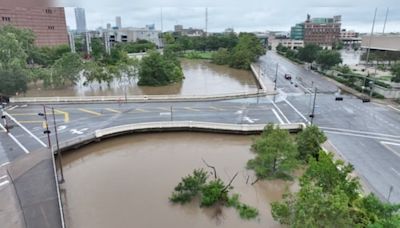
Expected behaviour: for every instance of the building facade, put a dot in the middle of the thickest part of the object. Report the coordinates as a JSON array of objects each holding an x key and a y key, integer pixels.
[
  {"x": 80, "y": 19},
  {"x": 178, "y": 29},
  {"x": 118, "y": 22},
  {"x": 324, "y": 32},
  {"x": 292, "y": 44},
  {"x": 129, "y": 34},
  {"x": 48, "y": 23},
  {"x": 297, "y": 32}
]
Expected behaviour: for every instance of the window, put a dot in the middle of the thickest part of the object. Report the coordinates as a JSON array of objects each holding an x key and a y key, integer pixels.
[
  {"x": 49, "y": 11},
  {"x": 6, "y": 18},
  {"x": 50, "y": 27}
]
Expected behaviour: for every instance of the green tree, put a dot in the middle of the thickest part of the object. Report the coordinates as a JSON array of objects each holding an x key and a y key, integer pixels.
[
  {"x": 328, "y": 58},
  {"x": 221, "y": 57},
  {"x": 313, "y": 207},
  {"x": 13, "y": 81},
  {"x": 329, "y": 174},
  {"x": 309, "y": 53},
  {"x": 156, "y": 70},
  {"x": 246, "y": 51},
  {"x": 309, "y": 141},
  {"x": 275, "y": 154},
  {"x": 66, "y": 70},
  {"x": 395, "y": 69},
  {"x": 98, "y": 49},
  {"x": 189, "y": 187}
]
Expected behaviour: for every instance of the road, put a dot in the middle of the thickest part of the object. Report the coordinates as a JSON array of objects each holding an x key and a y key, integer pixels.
[{"x": 365, "y": 134}]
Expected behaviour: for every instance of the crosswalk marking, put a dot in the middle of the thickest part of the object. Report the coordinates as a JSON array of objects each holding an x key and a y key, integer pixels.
[
  {"x": 191, "y": 109},
  {"x": 215, "y": 108},
  {"x": 113, "y": 110},
  {"x": 89, "y": 111}
]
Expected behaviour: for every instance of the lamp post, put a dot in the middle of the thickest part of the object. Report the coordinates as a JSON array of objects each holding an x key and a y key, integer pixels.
[
  {"x": 59, "y": 156},
  {"x": 3, "y": 116},
  {"x": 48, "y": 132}
]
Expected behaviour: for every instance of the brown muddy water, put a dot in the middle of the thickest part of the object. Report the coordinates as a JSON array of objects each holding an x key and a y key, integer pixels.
[
  {"x": 201, "y": 78},
  {"x": 126, "y": 182}
]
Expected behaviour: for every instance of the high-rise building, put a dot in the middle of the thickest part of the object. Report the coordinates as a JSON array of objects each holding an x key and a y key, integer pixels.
[
  {"x": 322, "y": 31},
  {"x": 80, "y": 19},
  {"x": 297, "y": 32},
  {"x": 118, "y": 22},
  {"x": 47, "y": 23}
]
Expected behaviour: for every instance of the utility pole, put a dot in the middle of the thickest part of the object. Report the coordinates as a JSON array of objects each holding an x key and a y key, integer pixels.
[
  {"x": 162, "y": 24},
  {"x": 59, "y": 156},
  {"x": 206, "y": 21},
  {"x": 3, "y": 116},
  {"x": 369, "y": 46},
  {"x": 313, "y": 109},
  {"x": 384, "y": 24},
  {"x": 46, "y": 131},
  {"x": 276, "y": 76}
]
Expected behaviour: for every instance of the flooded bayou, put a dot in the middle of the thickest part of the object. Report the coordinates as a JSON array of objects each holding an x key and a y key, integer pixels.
[
  {"x": 126, "y": 181},
  {"x": 201, "y": 78}
]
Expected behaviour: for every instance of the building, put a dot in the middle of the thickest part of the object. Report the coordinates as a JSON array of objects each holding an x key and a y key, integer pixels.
[
  {"x": 80, "y": 19},
  {"x": 47, "y": 23},
  {"x": 381, "y": 43},
  {"x": 322, "y": 31},
  {"x": 292, "y": 44},
  {"x": 179, "y": 30},
  {"x": 297, "y": 32},
  {"x": 130, "y": 34},
  {"x": 350, "y": 37},
  {"x": 118, "y": 22}
]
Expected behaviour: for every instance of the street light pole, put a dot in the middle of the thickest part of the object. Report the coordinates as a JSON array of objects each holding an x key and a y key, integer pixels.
[
  {"x": 313, "y": 109},
  {"x": 276, "y": 76},
  {"x": 59, "y": 156},
  {"x": 47, "y": 131},
  {"x": 3, "y": 116}
]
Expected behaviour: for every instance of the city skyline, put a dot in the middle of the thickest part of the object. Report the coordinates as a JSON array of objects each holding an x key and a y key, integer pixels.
[{"x": 259, "y": 16}]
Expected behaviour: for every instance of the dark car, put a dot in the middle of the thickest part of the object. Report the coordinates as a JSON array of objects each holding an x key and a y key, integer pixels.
[{"x": 288, "y": 77}]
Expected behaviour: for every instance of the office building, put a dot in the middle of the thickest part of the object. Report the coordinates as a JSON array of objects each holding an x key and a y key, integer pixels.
[
  {"x": 322, "y": 31},
  {"x": 80, "y": 19},
  {"x": 118, "y": 22},
  {"x": 47, "y": 23},
  {"x": 297, "y": 32}
]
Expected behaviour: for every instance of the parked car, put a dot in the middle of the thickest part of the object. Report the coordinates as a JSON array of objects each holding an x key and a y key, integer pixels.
[
  {"x": 288, "y": 77},
  {"x": 365, "y": 99}
]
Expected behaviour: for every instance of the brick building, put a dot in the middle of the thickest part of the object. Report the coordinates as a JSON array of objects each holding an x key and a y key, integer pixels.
[
  {"x": 322, "y": 31},
  {"x": 47, "y": 23}
]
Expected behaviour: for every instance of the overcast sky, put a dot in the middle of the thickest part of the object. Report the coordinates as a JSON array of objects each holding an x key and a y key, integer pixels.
[{"x": 244, "y": 15}]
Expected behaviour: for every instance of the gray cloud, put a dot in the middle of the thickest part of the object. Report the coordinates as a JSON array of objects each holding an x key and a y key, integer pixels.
[{"x": 245, "y": 15}]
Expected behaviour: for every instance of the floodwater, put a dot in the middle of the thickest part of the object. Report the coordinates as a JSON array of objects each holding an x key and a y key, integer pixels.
[
  {"x": 201, "y": 78},
  {"x": 126, "y": 182}
]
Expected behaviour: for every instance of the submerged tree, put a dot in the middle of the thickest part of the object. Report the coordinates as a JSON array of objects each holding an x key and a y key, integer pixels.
[
  {"x": 309, "y": 142},
  {"x": 275, "y": 154}
]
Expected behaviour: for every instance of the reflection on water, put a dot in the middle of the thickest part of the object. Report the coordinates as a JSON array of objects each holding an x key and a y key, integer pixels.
[
  {"x": 126, "y": 182},
  {"x": 201, "y": 78}
]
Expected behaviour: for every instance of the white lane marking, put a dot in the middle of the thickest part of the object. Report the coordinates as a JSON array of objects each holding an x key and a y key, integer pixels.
[
  {"x": 78, "y": 132},
  {"x": 239, "y": 112},
  {"x": 361, "y": 132},
  {"x": 359, "y": 135},
  {"x": 390, "y": 143},
  {"x": 280, "y": 111},
  {"x": 394, "y": 108},
  {"x": 297, "y": 111},
  {"x": 12, "y": 107},
  {"x": 24, "y": 128},
  {"x": 18, "y": 143},
  {"x": 277, "y": 116},
  {"x": 397, "y": 172},
  {"x": 2, "y": 177},
  {"x": 3, "y": 128},
  {"x": 4, "y": 164},
  {"x": 4, "y": 183},
  {"x": 165, "y": 113},
  {"x": 246, "y": 118}
]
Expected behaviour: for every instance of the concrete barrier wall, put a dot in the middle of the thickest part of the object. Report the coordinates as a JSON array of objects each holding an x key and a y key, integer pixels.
[
  {"x": 194, "y": 126},
  {"x": 144, "y": 98}
]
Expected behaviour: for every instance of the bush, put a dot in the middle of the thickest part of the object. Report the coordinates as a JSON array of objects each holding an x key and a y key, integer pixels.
[{"x": 213, "y": 192}]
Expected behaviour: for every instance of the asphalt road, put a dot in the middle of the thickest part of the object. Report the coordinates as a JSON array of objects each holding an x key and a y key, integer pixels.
[{"x": 365, "y": 134}]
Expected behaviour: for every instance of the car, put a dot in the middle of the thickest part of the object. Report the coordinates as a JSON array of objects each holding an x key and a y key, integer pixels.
[
  {"x": 365, "y": 99},
  {"x": 288, "y": 77},
  {"x": 338, "y": 98}
]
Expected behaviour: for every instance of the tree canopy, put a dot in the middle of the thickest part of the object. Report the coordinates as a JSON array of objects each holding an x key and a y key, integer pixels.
[
  {"x": 308, "y": 142},
  {"x": 156, "y": 69},
  {"x": 328, "y": 58},
  {"x": 396, "y": 72},
  {"x": 309, "y": 53},
  {"x": 275, "y": 154}
]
